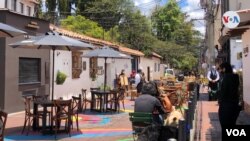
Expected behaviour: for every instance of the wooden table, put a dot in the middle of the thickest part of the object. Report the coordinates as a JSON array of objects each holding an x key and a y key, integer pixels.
[
  {"x": 103, "y": 95},
  {"x": 45, "y": 104}
]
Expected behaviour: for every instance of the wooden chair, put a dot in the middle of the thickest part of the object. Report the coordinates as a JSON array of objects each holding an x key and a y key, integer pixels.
[
  {"x": 116, "y": 100},
  {"x": 85, "y": 100},
  {"x": 139, "y": 121},
  {"x": 29, "y": 115},
  {"x": 3, "y": 119},
  {"x": 76, "y": 106},
  {"x": 97, "y": 100},
  {"x": 63, "y": 111},
  {"x": 42, "y": 98}
]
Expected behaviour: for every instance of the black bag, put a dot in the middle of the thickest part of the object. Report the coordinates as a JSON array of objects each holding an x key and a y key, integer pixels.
[
  {"x": 150, "y": 133},
  {"x": 168, "y": 132}
]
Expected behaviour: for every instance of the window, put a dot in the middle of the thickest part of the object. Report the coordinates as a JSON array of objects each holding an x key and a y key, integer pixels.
[
  {"x": 21, "y": 7},
  {"x": 13, "y": 5},
  {"x": 159, "y": 67},
  {"x": 6, "y": 3},
  {"x": 76, "y": 64},
  {"x": 155, "y": 67},
  {"x": 29, "y": 11},
  {"x": 93, "y": 67},
  {"x": 29, "y": 70}
]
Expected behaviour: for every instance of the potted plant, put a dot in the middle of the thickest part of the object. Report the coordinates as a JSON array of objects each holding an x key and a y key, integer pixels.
[
  {"x": 60, "y": 77},
  {"x": 106, "y": 88}
]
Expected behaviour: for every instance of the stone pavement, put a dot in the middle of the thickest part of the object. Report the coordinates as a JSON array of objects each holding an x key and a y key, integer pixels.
[{"x": 208, "y": 126}]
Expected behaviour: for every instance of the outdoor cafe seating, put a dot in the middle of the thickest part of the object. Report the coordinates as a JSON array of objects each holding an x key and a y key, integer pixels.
[
  {"x": 76, "y": 106},
  {"x": 63, "y": 111},
  {"x": 30, "y": 116},
  {"x": 3, "y": 119}
]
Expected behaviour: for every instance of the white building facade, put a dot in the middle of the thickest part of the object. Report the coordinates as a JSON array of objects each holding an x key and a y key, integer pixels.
[{"x": 24, "y": 7}]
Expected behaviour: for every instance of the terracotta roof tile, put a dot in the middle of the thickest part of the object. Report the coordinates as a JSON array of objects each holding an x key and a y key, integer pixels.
[
  {"x": 130, "y": 51},
  {"x": 95, "y": 41},
  {"x": 157, "y": 55}
]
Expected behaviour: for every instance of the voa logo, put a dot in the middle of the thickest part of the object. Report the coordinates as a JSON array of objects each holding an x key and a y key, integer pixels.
[
  {"x": 231, "y": 19},
  {"x": 236, "y": 132}
]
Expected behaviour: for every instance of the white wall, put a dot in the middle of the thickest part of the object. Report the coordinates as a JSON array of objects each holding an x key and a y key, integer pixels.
[
  {"x": 2, "y": 3},
  {"x": 114, "y": 66},
  {"x": 235, "y": 47},
  {"x": 18, "y": 7},
  {"x": 238, "y": 4},
  {"x": 150, "y": 62},
  {"x": 246, "y": 67},
  {"x": 63, "y": 62}
]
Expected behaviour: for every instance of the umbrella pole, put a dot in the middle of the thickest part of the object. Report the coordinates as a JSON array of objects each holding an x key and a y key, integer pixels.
[
  {"x": 105, "y": 73},
  {"x": 53, "y": 67}
]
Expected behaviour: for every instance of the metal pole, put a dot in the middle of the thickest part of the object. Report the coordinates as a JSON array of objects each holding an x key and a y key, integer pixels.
[
  {"x": 182, "y": 130},
  {"x": 210, "y": 20},
  {"x": 53, "y": 68},
  {"x": 105, "y": 72}
]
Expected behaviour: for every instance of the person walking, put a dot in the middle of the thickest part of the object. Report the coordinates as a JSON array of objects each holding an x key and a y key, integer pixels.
[
  {"x": 213, "y": 77},
  {"x": 139, "y": 81},
  {"x": 123, "y": 82},
  {"x": 229, "y": 108}
]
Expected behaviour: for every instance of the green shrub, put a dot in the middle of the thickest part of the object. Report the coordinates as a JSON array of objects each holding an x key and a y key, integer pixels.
[
  {"x": 60, "y": 77},
  {"x": 106, "y": 88}
]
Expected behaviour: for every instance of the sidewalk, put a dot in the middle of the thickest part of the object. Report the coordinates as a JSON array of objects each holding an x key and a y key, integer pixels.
[{"x": 208, "y": 125}]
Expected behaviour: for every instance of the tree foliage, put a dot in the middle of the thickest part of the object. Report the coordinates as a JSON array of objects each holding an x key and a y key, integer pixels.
[
  {"x": 82, "y": 25},
  {"x": 167, "y": 20},
  {"x": 167, "y": 32},
  {"x": 88, "y": 27},
  {"x": 107, "y": 13}
]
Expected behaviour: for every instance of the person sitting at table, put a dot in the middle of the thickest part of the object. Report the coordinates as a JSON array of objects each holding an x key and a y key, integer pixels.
[{"x": 147, "y": 103}]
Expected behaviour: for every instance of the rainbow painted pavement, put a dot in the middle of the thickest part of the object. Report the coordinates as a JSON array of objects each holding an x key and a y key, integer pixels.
[{"x": 106, "y": 126}]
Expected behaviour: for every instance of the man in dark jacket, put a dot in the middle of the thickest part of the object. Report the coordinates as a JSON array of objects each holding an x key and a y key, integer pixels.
[
  {"x": 229, "y": 98},
  {"x": 150, "y": 104}
]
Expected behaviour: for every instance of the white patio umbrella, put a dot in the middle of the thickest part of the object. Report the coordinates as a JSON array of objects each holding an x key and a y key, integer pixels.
[
  {"x": 53, "y": 40},
  {"x": 9, "y": 31},
  {"x": 106, "y": 52}
]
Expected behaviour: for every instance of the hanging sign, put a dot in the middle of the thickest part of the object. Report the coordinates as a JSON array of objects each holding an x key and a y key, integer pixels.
[{"x": 231, "y": 19}]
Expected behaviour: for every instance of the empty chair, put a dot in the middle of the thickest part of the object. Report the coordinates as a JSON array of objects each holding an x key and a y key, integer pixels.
[
  {"x": 29, "y": 116},
  {"x": 42, "y": 98},
  {"x": 96, "y": 99},
  {"x": 85, "y": 100},
  {"x": 76, "y": 106},
  {"x": 63, "y": 111},
  {"x": 3, "y": 119},
  {"x": 115, "y": 100}
]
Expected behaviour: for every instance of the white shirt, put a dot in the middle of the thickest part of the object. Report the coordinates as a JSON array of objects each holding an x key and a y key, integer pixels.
[
  {"x": 214, "y": 71},
  {"x": 137, "y": 79}
]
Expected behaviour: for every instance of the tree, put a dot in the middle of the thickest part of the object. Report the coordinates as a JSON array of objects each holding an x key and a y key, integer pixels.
[
  {"x": 64, "y": 7},
  {"x": 167, "y": 20},
  {"x": 107, "y": 13},
  {"x": 136, "y": 32},
  {"x": 38, "y": 10},
  {"x": 85, "y": 26}
]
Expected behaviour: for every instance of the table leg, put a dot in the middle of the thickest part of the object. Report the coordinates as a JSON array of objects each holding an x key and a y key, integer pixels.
[
  {"x": 92, "y": 102},
  {"x": 35, "y": 119},
  {"x": 44, "y": 118}
]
